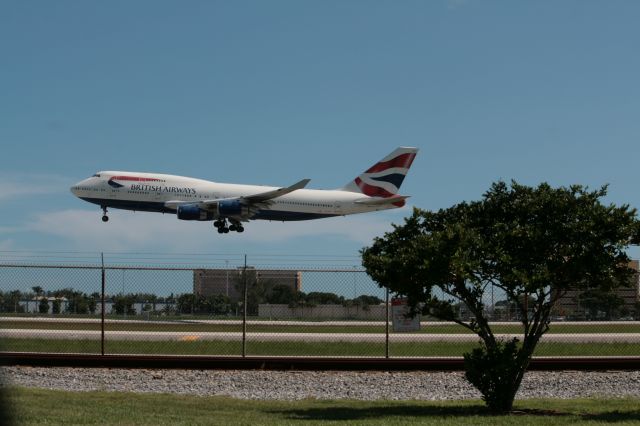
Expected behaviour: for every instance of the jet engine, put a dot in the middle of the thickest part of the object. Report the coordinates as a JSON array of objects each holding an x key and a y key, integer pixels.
[
  {"x": 232, "y": 208},
  {"x": 193, "y": 212}
]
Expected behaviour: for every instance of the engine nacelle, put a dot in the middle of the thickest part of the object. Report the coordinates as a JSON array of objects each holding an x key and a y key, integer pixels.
[
  {"x": 193, "y": 212},
  {"x": 232, "y": 208}
]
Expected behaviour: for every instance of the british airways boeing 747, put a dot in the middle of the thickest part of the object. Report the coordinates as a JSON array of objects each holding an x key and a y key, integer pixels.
[{"x": 229, "y": 205}]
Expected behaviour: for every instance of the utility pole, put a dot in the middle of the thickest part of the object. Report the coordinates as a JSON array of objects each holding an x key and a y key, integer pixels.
[
  {"x": 102, "y": 300},
  {"x": 226, "y": 268},
  {"x": 244, "y": 309}
]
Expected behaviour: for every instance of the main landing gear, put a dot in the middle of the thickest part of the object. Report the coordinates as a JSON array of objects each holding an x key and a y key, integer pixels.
[
  {"x": 105, "y": 218},
  {"x": 221, "y": 224}
]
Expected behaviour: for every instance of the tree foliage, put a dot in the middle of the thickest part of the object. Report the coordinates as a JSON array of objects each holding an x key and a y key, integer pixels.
[
  {"x": 599, "y": 304},
  {"x": 531, "y": 244},
  {"x": 10, "y": 301},
  {"x": 282, "y": 294},
  {"x": 55, "y": 306},
  {"x": 43, "y": 305},
  {"x": 366, "y": 300},
  {"x": 324, "y": 298},
  {"x": 123, "y": 304}
]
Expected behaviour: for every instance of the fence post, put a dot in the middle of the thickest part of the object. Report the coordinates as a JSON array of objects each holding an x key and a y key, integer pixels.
[
  {"x": 244, "y": 309},
  {"x": 386, "y": 324},
  {"x": 103, "y": 307}
]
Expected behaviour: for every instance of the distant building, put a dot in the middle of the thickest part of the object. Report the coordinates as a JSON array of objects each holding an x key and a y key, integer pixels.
[
  {"x": 209, "y": 282},
  {"x": 569, "y": 303}
]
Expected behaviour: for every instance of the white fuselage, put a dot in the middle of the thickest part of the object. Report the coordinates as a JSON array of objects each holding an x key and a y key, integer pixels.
[{"x": 161, "y": 193}]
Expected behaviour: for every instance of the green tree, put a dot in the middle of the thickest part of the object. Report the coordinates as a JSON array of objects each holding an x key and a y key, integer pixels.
[
  {"x": 43, "y": 306},
  {"x": 282, "y": 294},
  {"x": 153, "y": 299},
  {"x": 199, "y": 304},
  {"x": 124, "y": 304},
  {"x": 366, "y": 300},
  {"x": 532, "y": 244},
  {"x": 55, "y": 306},
  {"x": 11, "y": 301},
  {"x": 69, "y": 293},
  {"x": 258, "y": 290},
  {"x": 92, "y": 304},
  {"x": 220, "y": 304},
  {"x": 186, "y": 303},
  {"x": 599, "y": 304},
  {"x": 636, "y": 311},
  {"x": 78, "y": 303},
  {"x": 322, "y": 298}
]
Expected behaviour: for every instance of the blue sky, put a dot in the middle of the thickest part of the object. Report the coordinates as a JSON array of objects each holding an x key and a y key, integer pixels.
[{"x": 272, "y": 92}]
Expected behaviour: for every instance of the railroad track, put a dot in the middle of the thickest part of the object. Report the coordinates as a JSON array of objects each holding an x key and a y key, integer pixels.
[{"x": 299, "y": 363}]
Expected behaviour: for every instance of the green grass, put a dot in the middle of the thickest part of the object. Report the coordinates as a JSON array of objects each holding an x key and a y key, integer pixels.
[
  {"x": 203, "y": 347},
  {"x": 320, "y": 328},
  {"x": 45, "y": 407}
]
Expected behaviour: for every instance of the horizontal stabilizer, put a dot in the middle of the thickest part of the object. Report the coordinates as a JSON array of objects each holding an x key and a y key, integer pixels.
[{"x": 396, "y": 200}]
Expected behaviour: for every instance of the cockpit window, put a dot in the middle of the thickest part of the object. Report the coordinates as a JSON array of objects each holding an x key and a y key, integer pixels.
[{"x": 96, "y": 175}]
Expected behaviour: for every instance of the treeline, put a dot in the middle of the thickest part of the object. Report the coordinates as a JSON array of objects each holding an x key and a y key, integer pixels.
[
  {"x": 219, "y": 304},
  {"x": 266, "y": 291},
  {"x": 64, "y": 300},
  {"x": 261, "y": 291},
  {"x": 596, "y": 305},
  {"x": 68, "y": 300}
]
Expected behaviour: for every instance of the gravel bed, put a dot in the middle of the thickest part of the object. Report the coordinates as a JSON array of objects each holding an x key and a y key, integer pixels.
[{"x": 294, "y": 385}]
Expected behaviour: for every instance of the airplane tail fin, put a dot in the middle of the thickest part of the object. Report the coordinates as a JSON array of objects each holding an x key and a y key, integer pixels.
[{"x": 384, "y": 178}]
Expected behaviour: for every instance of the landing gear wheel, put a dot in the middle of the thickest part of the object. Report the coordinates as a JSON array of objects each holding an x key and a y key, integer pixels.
[
  {"x": 233, "y": 228},
  {"x": 240, "y": 228},
  {"x": 220, "y": 230},
  {"x": 225, "y": 230},
  {"x": 105, "y": 218}
]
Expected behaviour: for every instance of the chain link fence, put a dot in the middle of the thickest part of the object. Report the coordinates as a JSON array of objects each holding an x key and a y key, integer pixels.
[{"x": 222, "y": 305}]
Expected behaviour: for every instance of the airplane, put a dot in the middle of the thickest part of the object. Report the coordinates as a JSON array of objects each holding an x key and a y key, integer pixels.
[{"x": 230, "y": 205}]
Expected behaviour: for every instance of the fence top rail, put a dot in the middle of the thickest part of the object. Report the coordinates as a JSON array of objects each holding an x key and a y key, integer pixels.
[
  {"x": 173, "y": 268},
  {"x": 28, "y": 265}
]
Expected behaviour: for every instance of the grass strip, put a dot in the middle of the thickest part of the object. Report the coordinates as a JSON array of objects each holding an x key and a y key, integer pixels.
[
  {"x": 206, "y": 347},
  {"x": 47, "y": 407},
  {"x": 284, "y": 328}
]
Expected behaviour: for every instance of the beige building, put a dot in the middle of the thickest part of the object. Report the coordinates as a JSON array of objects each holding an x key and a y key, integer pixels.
[
  {"x": 208, "y": 282},
  {"x": 569, "y": 304}
]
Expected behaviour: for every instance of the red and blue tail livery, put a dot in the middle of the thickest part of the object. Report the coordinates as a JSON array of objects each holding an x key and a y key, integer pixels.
[
  {"x": 384, "y": 178},
  {"x": 228, "y": 205}
]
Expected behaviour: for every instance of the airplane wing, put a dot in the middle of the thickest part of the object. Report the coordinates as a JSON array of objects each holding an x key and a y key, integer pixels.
[
  {"x": 269, "y": 195},
  {"x": 251, "y": 203}
]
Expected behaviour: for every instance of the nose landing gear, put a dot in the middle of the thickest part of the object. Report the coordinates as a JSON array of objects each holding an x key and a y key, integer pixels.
[{"x": 105, "y": 218}]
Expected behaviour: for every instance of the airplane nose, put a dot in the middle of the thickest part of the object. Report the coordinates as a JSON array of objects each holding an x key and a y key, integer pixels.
[{"x": 75, "y": 189}]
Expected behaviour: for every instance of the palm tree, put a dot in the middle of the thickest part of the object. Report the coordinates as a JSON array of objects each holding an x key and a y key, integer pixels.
[{"x": 38, "y": 291}]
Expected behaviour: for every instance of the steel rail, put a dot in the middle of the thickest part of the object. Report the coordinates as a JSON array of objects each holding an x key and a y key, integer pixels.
[{"x": 298, "y": 363}]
